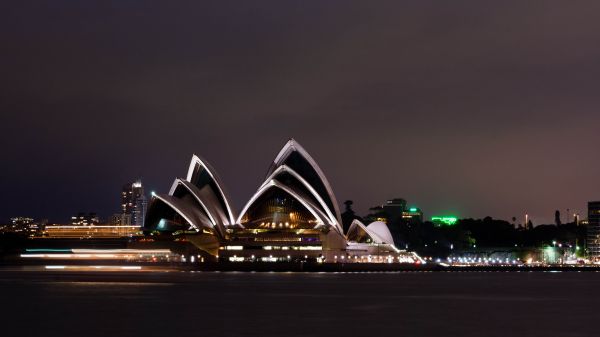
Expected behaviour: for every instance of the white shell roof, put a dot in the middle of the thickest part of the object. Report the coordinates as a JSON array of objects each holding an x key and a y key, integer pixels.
[{"x": 381, "y": 230}]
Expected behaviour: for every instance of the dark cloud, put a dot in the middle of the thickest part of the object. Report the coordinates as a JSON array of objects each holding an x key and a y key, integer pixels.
[{"x": 475, "y": 108}]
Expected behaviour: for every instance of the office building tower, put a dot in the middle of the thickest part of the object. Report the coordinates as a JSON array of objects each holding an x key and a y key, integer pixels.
[{"x": 134, "y": 202}]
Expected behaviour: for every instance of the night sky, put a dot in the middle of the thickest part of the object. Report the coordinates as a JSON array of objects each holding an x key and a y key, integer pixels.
[{"x": 472, "y": 108}]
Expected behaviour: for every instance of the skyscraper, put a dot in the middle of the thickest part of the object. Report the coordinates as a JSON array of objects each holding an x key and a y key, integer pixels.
[
  {"x": 394, "y": 209},
  {"x": 593, "y": 229},
  {"x": 134, "y": 202}
]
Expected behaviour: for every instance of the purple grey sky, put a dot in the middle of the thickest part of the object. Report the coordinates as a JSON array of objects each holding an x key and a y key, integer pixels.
[{"x": 472, "y": 108}]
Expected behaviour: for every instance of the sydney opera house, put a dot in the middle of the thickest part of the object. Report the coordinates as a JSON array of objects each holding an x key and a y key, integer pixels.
[{"x": 293, "y": 216}]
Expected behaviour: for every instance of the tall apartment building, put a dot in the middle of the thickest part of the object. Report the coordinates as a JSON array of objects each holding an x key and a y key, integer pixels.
[{"x": 134, "y": 202}]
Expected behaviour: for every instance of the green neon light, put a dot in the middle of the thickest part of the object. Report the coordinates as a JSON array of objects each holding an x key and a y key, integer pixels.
[
  {"x": 413, "y": 209},
  {"x": 446, "y": 220}
]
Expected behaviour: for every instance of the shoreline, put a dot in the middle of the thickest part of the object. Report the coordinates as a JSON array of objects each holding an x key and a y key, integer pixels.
[{"x": 90, "y": 266}]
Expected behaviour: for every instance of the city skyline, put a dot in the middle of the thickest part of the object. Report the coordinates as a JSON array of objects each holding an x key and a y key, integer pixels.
[
  {"x": 467, "y": 110},
  {"x": 299, "y": 168},
  {"x": 565, "y": 217}
]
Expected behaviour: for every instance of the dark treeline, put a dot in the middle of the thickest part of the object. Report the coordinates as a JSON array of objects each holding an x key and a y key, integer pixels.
[{"x": 467, "y": 234}]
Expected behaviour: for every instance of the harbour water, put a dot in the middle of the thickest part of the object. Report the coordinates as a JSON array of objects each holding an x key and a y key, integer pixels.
[{"x": 175, "y": 303}]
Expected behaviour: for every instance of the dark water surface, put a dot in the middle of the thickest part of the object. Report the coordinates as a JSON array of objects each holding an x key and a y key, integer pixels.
[{"x": 301, "y": 304}]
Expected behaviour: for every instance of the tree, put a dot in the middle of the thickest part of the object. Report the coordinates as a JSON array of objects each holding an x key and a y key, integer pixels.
[
  {"x": 557, "y": 218},
  {"x": 348, "y": 215}
]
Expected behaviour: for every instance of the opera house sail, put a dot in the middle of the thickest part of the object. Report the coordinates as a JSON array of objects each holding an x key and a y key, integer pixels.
[{"x": 292, "y": 216}]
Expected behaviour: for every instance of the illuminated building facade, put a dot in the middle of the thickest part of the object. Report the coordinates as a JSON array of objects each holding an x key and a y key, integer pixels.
[
  {"x": 292, "y": 216},
  {"x": 120, "y": 220},
  {"x": 83, "y": 219},
  {"x": 593, "y": 229},
  {"x": 134, "y": 202},
  {"x": 412, "y": 215},
  {"x": 395, "y": 212}
]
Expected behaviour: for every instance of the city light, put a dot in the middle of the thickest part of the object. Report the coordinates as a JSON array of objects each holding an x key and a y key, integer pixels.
[{"x": 446, "y": 220}]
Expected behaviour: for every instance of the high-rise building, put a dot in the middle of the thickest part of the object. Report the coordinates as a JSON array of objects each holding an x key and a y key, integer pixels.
[
  {"x": 134, "y": 202},
  {"x": 593, "y": 229},
  {"x": 394, "y": 208}
]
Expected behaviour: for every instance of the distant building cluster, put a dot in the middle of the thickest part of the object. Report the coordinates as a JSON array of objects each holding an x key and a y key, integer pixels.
[
  {"x": 85, "y": 219},
  {"x": 126, "y": 223},
  {"x": 23, "y": 226},
  {"x": 395, "y": 210}
]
